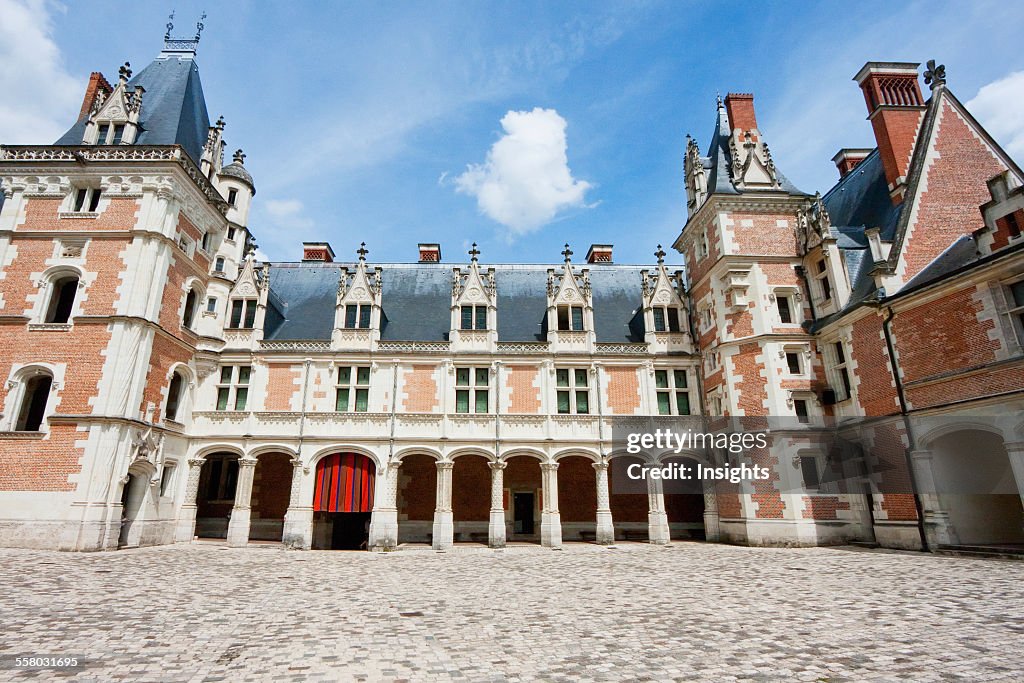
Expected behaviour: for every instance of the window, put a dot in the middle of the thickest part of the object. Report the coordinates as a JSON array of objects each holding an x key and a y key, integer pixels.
[
  {"x": 474, "y": 318},
  {"x": 110, "y": 134},
  {"x": 353, "y": 389},
  {"x": 33, "y": 403},
  {"x": 62, "y": 300},
  {"x": 573, "y": 390},
  {"x": 809, "y": 469},
  {"x": 205, "y": 245},
  {"x": 233, "y": 387},
  {"x": 1015, "y": 296},
  {"x": 87, "y": 199},
  {"x": 794, "y": 363},
  {"x": 673, "y": 394},
  {"x": 823, "y": 281},
  {"x": 211, "y": 304},
  {"x": 357, "y": 316},
  {"x": 704, "y": 250},
  {"x": 232, "y": 196},
  {"x": 784, "y": 306},
  {"x": 174, "y": 396},
  {"x": 222, "y": 478},
  {"x": 218, "y": 265},
  {"x": 800, "y": 407},
  {"x": 1012, "y": 224},
  {"x": 706, "y": 319},
  {"x": 666, "y": 319},
  {"x": 570, "y": 318},
  {"x": 191, "y": 302},
  {"x": 243, "y": 314},
  {"x": 231, "y": 234},
  {"x": 166, "y": 479},
  {"x": 104, "y": 131},
  {"x": 472, "y": 390},
  {"x": 841, "y": 373}
]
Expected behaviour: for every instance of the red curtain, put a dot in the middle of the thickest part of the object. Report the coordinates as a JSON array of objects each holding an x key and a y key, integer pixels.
[{"x": 344, "y": 483}]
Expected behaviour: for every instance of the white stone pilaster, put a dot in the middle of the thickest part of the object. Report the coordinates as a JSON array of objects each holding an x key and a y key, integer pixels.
[
  {"x": 937, "y": 527},
  {"x": 298, "y": 520},
  {"x": 1015, "y": 451},
  {"x": 241, "y": 513},
  {"x": 496, "y": 528},
  {"x": 657, "y": 520},
  {"x": 550, "y": 519},
  {"x": 712, "y": 527},
  {"x": 444, "y": 527},
  {"x": 185, "y": 528},
  {"x": 384, "y": 518}
]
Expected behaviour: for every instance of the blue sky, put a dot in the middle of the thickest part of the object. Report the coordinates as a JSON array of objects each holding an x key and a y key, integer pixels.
[{"x": 397, "y": 123}]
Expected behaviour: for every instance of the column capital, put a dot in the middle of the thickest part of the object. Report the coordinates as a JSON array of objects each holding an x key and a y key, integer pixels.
[
  {"x": 196, "y": 462},
  {"x": 921, "y": 454},
  {"x": 394, "y": 464},
  {"x": 444, "y": 464},
  {"x": 549, "y": 466},
  {"x": 296, "y": 462},
  {"x": 247, "y": 462},
  {"x": 497, "y": 465},
  {"x": 600, "y": 466},
  {"x": 1013, "y": 446}
]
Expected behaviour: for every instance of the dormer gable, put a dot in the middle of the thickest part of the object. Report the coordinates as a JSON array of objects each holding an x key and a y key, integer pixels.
[
  {"x": 474, "y": 309},
  {"x": 114, "y": 119},
  {"x": 247, "y": 300},
  {"x": 357, "y": 317}
]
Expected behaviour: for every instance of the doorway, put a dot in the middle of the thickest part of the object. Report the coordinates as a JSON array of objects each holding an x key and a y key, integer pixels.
[
  {"x": 522, "y": 512},
  {"x": 350, "y": 530}
]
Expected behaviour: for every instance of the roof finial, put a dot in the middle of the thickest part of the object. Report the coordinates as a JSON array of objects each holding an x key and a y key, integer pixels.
[
  {"x": 935, "y": 76},
  {"x": 125, "y": 72},
  {"x": 718, "y": 97},
  {"x": 660, "y": 254},
  {"x": 200, "y": 26},
  {"x": 220, "y": 124},
  {"x": 170, "y": 26},
  {"x": 473, "y": 253},
  {"x": 362, "y": 251},
  {"x": 567, "y": 253},
  {"x": 239, "y": 157}
]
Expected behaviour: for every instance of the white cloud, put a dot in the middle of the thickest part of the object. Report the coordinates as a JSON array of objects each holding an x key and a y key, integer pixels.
[
  {"x": 1000, "y": 108},
  {"x": 31, "y": 65},
  {"x": 525, "y": 180}
]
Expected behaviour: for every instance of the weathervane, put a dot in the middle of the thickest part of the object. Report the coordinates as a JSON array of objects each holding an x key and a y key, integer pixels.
[
  {"x": 200, "y": 26},
  {"x": 170, "y": 26}
]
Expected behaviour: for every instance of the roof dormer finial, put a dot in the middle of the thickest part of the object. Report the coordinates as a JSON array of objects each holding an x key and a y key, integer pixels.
[
  {"x": 362, "y": 251},
  {"x": 567, "y": 254},
  {"x": 170, "y": 26},
  {"x": 473, "y": 253},
  {"x": 125, "y": 72},
  {"x": 239, "y": 157},
  {"x": 660, "y": 254},
  {"x": 935, "y": 76}
]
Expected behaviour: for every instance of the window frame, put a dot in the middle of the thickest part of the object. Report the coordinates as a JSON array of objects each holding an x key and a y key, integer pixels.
[
  {"x": 247, "y": 310},
  {"x": 473, "y": 389},
  {"x": 478, "y": 318},
  {"x": 573, "y": 389},
  {"x": 351, "y": 388},
  {"x": 672, "y": 390},
  {"x": 232, "y": 387},
  {"x": 574, "y": 313},
  {"x": 670, "y": 315},
  {"x": 362, "y": 313},
  {"x": 839, "y": 370}
]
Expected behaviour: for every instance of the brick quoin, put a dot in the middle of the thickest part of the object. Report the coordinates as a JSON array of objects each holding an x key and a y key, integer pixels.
[
  {"x": 420, "y": 390},
  {"x": 623, "y": 390},
  {"x": 525, "y": 398},
  {"x": 823, "y": 507}
]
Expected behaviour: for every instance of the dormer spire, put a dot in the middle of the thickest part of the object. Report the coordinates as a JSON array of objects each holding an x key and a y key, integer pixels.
[
  {"x": 170, "y": 26},
  {"x": 567, "y": 253},
  {"x": 182, "y": 47},
  {"x": 200, "y": 26},
  {"x": 660, "y": 255},
  {"x": 362, "y": 251},
  {"x": 125, "y": 73},
  {"x": 474, "y": 253}
]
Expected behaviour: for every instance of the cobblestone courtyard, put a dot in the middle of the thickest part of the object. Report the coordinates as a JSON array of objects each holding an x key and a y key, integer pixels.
[{"x": 687, "y": 612}]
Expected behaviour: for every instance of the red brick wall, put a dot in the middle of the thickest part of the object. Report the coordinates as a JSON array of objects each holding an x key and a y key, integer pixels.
[
  {"x": 623, "y": 390},
  {"x": 873, "y": 373},
  {"x": 420, "y": 390},
  {"x": 41, "y": 465},
  {"x": 1001, "y": 237},
  {"x": 281, "y": 385},
  {"x": 765, "y": 237},
  {"x": 823, "y": 507},
  {"x": 471, "y": 489},
  {"x": 417, "y": 488},
  {"x": 41, "y": 214},
  {"x": 522, "y": 380},
  {"x": 166, "y": 352},
  {"x": 272, "y": 486},
  {"x": 577, "y": 490}
]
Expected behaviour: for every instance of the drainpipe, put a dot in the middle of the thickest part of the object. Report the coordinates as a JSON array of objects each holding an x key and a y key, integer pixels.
[
  {"x": 886, "y": 331},
  {"x": 497, "y": 408},
  {"x": 394, "y": 403},
  {"x": 302, "y": 416}
]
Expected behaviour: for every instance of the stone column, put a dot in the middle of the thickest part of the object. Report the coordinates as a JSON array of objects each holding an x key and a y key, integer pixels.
[
  {"x": 937, "y": 527},
  {"x": 605, "y": 526},
  {"x": 496, "y": 528},
  {"x": 298, "y": 521},
  {"x": 384, "y": 518},
  {"x": 444, "y": 527},
  {"x": 712, "y": 529},
  {"x": 241, "y": 513},
  {"x": 185, "y": 528},
  {"x": 657, "y": 520},
  {"x": 550, "y": 520}
]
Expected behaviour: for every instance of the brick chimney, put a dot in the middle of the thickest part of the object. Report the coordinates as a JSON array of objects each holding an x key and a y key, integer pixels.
[
  {"x": 97, "y": 84},
  {"x": 317, "y": 251},
  {"x": 740, "y": 108},
  {"x": 895, "y": 109},
  {"x": 430, "y": 253},
  {"x": 599, "y": 253},
  {"x": 847, "y": 159}
]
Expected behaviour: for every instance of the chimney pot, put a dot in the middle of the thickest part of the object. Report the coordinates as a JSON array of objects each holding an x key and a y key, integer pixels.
[
  {"x": 317, "y": 251},
  {"x": 847, "y": 159},
  {"x": 599, "y": 253},
  {"x": 430, "y": 252}
]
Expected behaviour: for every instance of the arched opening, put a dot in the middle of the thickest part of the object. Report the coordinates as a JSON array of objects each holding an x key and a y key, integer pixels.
[
  {"x": 342, "y": 501},
  {"x": 271, "y": 489},
  {"x": 577, "y": 498},
  {"x": 216, "y": 496},
  {"x": 684, "y": 502},
  {"x": 174, "y": 394},
  {"x": 523, "y": 498},
  {"x": 133, "y": 494},
  {"x": 471, "y": 498},
  {"x": 62, "y": 299},
  {"x": 628, "y": 501},
  {"x": 977, "y": 488},
  {"x": 191, "y": 302},
  {"x": 33, "y": 403},
  {"x": 417, "y": 498}
]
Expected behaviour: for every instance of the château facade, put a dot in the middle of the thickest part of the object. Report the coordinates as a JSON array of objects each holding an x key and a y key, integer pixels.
[{"x": 162, "y": 385}]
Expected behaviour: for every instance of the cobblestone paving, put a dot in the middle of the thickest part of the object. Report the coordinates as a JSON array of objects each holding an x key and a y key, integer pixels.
[{"x": 687, "y": 612}]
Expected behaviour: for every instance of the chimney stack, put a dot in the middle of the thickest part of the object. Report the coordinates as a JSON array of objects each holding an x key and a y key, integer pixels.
[
  {"x": 97, "y": 84},
  {"x": 430, "y": 253},
  {"x": 895, "y": 109},
  {"x": 847, "y": 159},
  {"x": 317, "y": 251},
  {"x": 740, "y": 108},
  {"x": 599, "y": 253}
]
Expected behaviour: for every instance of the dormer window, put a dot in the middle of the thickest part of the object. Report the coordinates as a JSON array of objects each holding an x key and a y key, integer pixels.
[
  {"x": 666, "y": 319},
  {"x": 232, "y": 196},
  {"x": 110, "y": 134},
  {"x": 87, "y": 199},
  {"x": 474, "y": 318},
  {"x": 823, "y": 280},
  {"x": 357, "y": 316},
  {"x": 570, "y": 318},
  {"x": 243, "y": 314}
]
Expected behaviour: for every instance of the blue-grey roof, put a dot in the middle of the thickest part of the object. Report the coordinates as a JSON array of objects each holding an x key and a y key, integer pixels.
[
  {"x": 962, "y": 252},
  {"x": 173, "y": 107},
  {"x": 416, "y": 301},
  {"x": 237, "y": 170},
  {"x": 861, "y": 199}
]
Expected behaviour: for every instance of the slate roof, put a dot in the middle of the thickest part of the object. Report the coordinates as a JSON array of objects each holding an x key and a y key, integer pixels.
[
  {"x": 173, "y": 107},
  {"x": 416, "y": 301}
]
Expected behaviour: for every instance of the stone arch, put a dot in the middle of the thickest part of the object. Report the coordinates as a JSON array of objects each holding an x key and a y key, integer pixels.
[
  {"x": 472, "y": 450},
  {"x": 347, "y": 448},
  {"x": 523, "y": 452},
  {"x": 927, "y": 440},
  {"x": 576, "y": 452},
  {"x": 205, "y": 451},
  {"x": 264, "y": 449},
  {"x": 418, "y": 450}
]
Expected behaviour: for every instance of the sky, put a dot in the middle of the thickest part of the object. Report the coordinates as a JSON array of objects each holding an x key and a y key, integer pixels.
[{"x": 517, "y": 125}]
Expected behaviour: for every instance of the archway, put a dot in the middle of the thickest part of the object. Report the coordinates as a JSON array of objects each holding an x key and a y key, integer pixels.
[
  {"x": 577, "y": 498},
  {"x": 133, "y": 495},
  {"x": 342, "y": 501},
  {"x": 471, "y": 498},
  {"x": 216, "y": 496},
  {"x": 977, "y": 488},
  {"x": 271, "y": 488},
  {"x": 523, "y": 498},
  {"x": 417, "y": 498},
  {"x": 684, "y": 502},
  {"x": 628, "y": 501}
]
